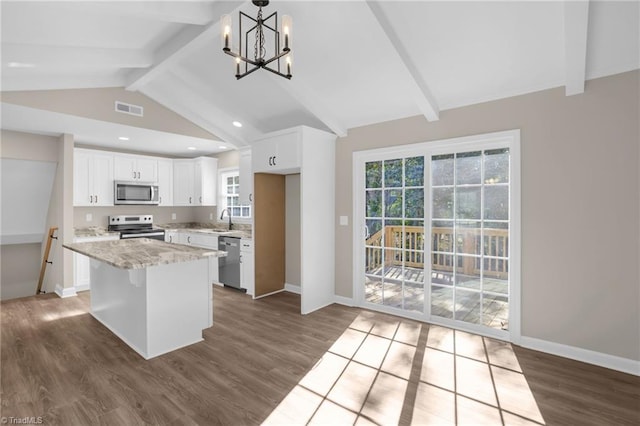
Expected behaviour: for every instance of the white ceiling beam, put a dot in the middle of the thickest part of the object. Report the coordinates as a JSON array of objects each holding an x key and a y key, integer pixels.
[
  {"x": 576, "y": 23},
  {"x": 311, "y": 100},
  {"x": 180, "y": 46},
  {"x": 421, "y": 92},
  {"x": 196, "y": 109},
  {"x": 75, "y": 56}
]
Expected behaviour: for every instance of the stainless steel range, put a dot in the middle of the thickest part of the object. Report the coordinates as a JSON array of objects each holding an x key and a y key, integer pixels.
[{"x": 135, "y": 226}]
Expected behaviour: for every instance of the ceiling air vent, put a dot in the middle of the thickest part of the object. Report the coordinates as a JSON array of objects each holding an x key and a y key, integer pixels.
[{"x": 129, "y": 109}]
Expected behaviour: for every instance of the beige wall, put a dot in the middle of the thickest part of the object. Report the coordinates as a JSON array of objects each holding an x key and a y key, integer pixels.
[
  {"x": 292, "y": 229},
  {"x": 580, "y": 205},
  {"x": 21, "y": 263},
  {"x": 99, "y": 104},
  {"x": 228, "y": 159}
]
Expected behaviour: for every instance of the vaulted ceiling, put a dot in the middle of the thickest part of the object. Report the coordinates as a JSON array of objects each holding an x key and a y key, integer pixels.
[{"x": 355, "y": 62}]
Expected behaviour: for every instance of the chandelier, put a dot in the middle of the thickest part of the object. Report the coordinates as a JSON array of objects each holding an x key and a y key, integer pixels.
[{"x": 264, "y": 32}]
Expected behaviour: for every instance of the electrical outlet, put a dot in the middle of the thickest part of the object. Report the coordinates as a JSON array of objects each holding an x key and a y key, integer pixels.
[
  {"x": 173, "y": 216},
  {"x": 344, "y": 220},
  {"x": 89, "y": 217},
  {"x": 210, "y": 216}
]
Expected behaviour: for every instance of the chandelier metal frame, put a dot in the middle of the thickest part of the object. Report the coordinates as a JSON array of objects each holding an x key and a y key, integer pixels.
[{"x": 257, "y": 29}]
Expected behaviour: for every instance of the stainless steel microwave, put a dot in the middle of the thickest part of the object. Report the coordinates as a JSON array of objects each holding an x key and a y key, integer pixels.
[{"x": 135, "y": 193}]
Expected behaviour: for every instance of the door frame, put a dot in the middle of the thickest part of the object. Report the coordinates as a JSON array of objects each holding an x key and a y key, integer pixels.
[{"x": 508, "y": 138}]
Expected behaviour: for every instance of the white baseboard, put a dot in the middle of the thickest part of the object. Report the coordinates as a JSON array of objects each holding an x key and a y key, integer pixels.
[
  {"x": 65, "y": 291},
  {"x": 346, "y": 301},
  {"x": 612, "y": 362},
  {"x": 268, "y": 294},
  {"x": 84, "y": 287},
  {"x": 291, "y": 288}
]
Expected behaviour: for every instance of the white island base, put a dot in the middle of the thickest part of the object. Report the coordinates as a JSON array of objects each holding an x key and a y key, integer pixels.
[{"x": 156, "y": 309}]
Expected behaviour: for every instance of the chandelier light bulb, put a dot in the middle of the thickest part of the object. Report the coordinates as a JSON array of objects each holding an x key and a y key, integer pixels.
[
  {"x": 226, "y": 32},
  {"x": 286, "y": 32}
]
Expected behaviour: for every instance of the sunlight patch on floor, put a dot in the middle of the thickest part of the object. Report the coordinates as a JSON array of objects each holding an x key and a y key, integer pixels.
[{"x": 366, "y": 375}]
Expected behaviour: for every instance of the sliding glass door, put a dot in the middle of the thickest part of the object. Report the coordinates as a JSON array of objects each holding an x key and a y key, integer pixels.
[{"x": 461, "y": 196}]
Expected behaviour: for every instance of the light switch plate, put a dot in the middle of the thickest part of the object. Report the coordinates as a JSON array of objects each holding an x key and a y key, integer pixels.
[
  {"x": 89, "y": 217},
  {"x": 344, "y": 220},
  {"x": 173, "y": 216}
]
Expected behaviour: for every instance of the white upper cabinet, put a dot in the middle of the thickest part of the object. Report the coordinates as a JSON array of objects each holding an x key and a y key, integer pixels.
[
  {"x": 277, "y": 153},
  {"x": 246, "y": 177},
  {"x": 183, "y": 182},
  {"x": 92, "y": 178},
  {"x": 135, "y": 168},
  {"x": 165, "y": 182},
  {"x": 194, "y": 182}
]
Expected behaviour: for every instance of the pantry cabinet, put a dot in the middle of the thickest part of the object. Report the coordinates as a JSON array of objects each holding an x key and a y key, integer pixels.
[
  {"x": 278, "y": 152},
  {"x": 92, "y": 178},
  {"x": 135, "y": 168}
]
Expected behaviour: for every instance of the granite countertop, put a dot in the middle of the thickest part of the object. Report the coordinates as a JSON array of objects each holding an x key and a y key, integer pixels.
[
  {"x": 94, "y": 231},
  {"x": 138, "y": 253}
]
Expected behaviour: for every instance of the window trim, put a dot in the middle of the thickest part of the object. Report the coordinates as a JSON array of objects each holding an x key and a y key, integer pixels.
[
  {"x": 222, "y": 197},
  {"x": 508, "y": 138}
]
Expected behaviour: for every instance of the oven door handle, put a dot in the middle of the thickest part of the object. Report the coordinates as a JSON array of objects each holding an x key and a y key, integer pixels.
[{"x": 144, "y": 235}]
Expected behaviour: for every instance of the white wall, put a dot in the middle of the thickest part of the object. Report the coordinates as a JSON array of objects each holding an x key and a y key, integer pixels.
[{"x": 580, "y": 205}]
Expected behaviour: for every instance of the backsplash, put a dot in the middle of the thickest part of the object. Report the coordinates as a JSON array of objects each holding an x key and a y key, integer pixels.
[{"x": 99, "y": 216}]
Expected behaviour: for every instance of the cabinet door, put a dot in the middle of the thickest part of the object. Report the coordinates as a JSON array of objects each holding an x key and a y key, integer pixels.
[
  {"x": 246, "y": 177},
  {"x": 165, "y": 182},
  {"x": 183, "y": 183},
  {"x": 262, "y": 155},
  {"x": 247, "y": 268},
  {"x": 288, "y": 152},
  {"x": 147, "y": 169},
  {"x": 82, "y": 195},
  {"x": 206, "y": 170},
  {"x": 124, "y": 168},
  {"x": 101, "y": 179},
  {"x": 81, "y": 272},
  {"x": 277, "y": 153}
]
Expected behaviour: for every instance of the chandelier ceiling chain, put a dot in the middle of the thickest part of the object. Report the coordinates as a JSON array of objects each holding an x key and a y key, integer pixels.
[{"x": 257, "y": 29}]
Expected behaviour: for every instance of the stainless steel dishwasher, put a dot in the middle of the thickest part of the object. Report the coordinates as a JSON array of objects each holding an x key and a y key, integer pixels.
[{"x": 229, "y": 266}]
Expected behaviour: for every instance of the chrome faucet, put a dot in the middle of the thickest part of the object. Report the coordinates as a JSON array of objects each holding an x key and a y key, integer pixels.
[{"x": 228, "y": 214}]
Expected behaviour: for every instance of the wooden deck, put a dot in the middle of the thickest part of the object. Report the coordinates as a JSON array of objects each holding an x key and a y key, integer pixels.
[{"x": 491, "y": 310}]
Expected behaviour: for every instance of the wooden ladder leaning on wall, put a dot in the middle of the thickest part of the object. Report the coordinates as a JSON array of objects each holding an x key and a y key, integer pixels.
[{"x": 45, "y": 258}]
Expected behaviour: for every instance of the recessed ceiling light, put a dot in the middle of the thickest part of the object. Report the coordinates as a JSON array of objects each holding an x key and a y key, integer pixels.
[
  {"x": 123, "y": 138},
  {"x": 191, "y": 148},
  {"x": 222, "y": 147},
  {"x": 20, "y": 65},
  {"x": 237, "y": 124}
]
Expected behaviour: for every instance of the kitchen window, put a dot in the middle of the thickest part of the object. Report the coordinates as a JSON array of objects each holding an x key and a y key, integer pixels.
[{"x": 229, "y": 197}]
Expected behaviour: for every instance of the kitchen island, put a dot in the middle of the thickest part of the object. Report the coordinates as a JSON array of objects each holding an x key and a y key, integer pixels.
[{"x": 155, "y": 296}]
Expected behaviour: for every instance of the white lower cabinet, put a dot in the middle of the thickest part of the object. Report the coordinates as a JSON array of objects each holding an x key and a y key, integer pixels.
[
  {"x": 246, "y": 266},
  {"x": 81, "y": 268}
]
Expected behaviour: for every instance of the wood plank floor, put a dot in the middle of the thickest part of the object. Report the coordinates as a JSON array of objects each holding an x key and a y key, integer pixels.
[{"x": 264, "y": 362}]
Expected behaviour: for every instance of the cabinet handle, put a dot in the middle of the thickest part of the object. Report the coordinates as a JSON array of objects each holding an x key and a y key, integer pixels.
[
  {"x": 250, "y": 197},
  {"x": 272, "y": 160},
  {"x": 189, "y": 239},
  {"x": 134, "y": 175},
  {"x": 170, "y": 238},
  {"x": 159, "y": 200},
  {"x": 200, "y": 200},
  {"x": 138, "y": 175},
  {"x": 96, "y": 199},
  {"x": 240, "y": 258},
  {"x": 189, "y": 200}
]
